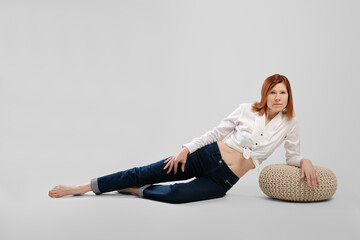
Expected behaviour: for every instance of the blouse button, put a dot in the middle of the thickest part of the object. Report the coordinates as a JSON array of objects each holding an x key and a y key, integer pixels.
[
  {"x": 220, "y": 161},
  {"x": 261, "y": 134},
  {"x": 255, "y": 143}
]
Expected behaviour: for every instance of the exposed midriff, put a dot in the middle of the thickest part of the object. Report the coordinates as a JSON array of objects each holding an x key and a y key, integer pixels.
[{"x": 235, "y": 159}]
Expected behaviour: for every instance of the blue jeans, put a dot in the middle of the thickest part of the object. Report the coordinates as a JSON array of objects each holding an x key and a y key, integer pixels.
[{"x": 213, "y": 178}]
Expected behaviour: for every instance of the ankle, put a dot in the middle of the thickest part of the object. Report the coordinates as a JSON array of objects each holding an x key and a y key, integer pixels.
[
  {"x": 136, "y": 190},
  {"x": 83, "y": 188}
]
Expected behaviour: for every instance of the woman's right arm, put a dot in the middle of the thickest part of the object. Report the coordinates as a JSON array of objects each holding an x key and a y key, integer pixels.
[
  {"x": 223, "y": 129},
  {"x": 218, "y": 133}
]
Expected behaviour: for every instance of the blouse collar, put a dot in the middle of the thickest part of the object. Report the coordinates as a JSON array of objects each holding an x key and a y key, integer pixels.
[{"x": 260, "y": 121}]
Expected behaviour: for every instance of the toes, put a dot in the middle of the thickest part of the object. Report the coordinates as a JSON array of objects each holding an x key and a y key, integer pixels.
[{"x": 52, "y": 193}]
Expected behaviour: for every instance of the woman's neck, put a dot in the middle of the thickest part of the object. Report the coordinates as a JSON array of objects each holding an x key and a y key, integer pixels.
[{"x": 270, "y": 115}]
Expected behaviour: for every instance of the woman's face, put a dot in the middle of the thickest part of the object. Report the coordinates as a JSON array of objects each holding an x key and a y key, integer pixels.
[{"x": 277, "y": 98}]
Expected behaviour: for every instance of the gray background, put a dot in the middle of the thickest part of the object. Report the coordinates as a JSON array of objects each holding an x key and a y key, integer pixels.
[{"x": 88, "y": 88}]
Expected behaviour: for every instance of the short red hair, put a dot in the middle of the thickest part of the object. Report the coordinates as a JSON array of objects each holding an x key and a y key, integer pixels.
[{"x": 267, "y": 86}]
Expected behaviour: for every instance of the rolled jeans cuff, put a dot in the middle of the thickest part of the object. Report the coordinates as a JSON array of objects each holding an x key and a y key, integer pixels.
[
  {"x": 95, "y": 186},
  {"x": 141, "y": 190}
]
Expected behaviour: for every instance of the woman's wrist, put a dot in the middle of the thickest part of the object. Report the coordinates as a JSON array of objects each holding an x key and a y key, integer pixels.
[
  {"x": 185, "y": 149},
  {"x": 303, "y": 161}
]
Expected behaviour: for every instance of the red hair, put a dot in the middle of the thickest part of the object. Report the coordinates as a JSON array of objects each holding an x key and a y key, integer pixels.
[{"x": 267, "y": 86}]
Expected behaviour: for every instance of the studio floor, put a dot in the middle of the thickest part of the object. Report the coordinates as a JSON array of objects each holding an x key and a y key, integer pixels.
[{"x": 244, "y": 213}]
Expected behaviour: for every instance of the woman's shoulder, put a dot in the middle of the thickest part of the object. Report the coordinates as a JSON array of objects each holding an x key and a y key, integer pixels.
[
  {"x": 291, "y": 122},
  {"x": 247, "y": 110},
  {"x": 246, "y": 105}
]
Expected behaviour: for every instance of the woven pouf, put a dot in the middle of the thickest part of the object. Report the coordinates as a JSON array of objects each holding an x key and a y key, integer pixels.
[{"x": 282, "y": 181}]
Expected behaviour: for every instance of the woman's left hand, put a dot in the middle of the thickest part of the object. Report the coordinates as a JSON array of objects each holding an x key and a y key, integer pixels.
[{"x": 308, "y": 170}]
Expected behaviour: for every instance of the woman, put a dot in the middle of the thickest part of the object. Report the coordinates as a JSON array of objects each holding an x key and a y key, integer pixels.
[{"x": 218, "y": 158}]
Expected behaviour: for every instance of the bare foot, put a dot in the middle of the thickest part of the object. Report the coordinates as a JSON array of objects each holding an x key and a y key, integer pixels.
[
  {"x": 64, "y": 190},
  {"x": 131, "y": 190}
]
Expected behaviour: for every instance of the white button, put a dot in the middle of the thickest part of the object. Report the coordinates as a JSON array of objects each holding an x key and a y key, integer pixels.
[{"x": 220, "y": 161}]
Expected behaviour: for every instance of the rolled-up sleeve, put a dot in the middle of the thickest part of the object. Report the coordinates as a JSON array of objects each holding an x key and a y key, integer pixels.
[
  {"x": 226, "y": 126},
  {"x": 292, "y": 146}
]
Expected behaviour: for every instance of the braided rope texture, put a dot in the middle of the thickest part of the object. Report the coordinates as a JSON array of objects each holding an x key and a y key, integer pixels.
[{"x": 282, "y": 181}]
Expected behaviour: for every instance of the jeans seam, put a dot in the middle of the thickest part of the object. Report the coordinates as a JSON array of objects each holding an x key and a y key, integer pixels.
[{"x": 227, "y": 181}]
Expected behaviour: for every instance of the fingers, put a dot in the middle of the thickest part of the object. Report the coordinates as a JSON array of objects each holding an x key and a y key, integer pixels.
[
  {"x": 170, "y": 168},
  {"x": 167, "y": 160},
  {"x": 302, "y": 173},
  {"x": 312, "y": 180},
  {"x": 166, "y": 166},
  {"x": 315, "y": 179},
  {"x": 168, "y": 163},
  {"x": 313, "y": 183},
  {"x": 175, "y": 167},
  {"x": 308, "y": 180},
  {"x": 311, "y": 176},
  {"x": 171, "y": 163},
  {"x": 183, "y": 167}
]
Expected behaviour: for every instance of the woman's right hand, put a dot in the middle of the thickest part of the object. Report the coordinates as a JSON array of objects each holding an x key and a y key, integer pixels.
[{"x": 174, "y": 161}]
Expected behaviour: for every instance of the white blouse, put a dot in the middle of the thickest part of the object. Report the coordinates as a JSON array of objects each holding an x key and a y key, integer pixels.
[{"x": 245, "y": 131}]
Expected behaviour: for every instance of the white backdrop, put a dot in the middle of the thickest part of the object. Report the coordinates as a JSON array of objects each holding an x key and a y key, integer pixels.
[{"x": 88, "y": 88}]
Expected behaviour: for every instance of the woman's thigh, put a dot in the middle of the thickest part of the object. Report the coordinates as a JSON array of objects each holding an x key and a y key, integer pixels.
[{"x": 198, "y": 164}]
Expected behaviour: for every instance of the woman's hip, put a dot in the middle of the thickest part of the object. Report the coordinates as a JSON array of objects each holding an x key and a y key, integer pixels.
[
  {"x": 209, "y": 163},
  {"x": 204, "y": 162}
]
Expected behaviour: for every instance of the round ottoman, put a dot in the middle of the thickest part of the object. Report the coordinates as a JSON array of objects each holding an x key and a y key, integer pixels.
[{"x": 282, "y": 181}]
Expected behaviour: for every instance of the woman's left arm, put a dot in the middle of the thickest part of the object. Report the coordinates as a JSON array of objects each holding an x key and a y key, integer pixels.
[
  {"x": 294, "y": 158},
  {"x": 308, "y": 171}
]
